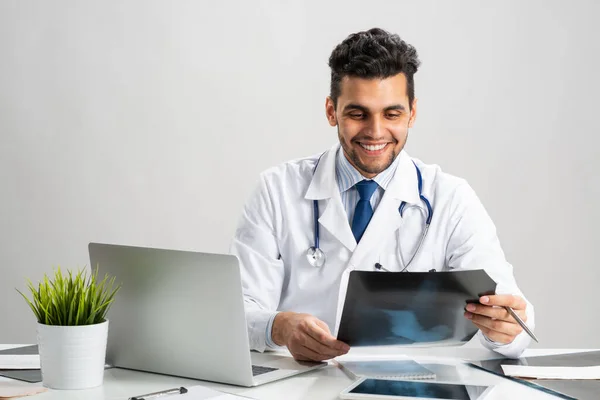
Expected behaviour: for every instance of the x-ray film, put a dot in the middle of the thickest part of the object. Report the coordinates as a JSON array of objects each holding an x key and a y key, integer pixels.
[{"x": 415, "y": 308}]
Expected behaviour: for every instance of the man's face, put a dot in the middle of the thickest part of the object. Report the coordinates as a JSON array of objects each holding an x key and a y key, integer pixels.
[{"x": 373, "y": 117}]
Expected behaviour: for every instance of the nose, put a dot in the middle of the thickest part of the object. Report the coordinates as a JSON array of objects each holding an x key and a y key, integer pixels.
[{"x": 375, "y": 128}]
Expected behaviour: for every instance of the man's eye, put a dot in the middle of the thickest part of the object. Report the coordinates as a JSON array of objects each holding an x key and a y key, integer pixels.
[
  {"x": 393, "y": 116},
  {"x": 356, "y": 115}
]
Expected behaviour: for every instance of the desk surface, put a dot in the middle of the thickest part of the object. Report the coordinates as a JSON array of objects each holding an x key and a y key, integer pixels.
[{"x": 326, "y": 383}]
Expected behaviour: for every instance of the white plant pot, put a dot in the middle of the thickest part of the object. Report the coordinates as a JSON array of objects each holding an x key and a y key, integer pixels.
[{"x": 72, "y": 357}]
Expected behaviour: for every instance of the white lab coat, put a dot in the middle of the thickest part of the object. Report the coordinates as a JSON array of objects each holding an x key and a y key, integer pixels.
[{"x": 277, "y": 227}]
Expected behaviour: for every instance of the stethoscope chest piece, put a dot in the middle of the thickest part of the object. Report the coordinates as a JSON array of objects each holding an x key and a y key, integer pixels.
[{"x": 315, "y": 256}]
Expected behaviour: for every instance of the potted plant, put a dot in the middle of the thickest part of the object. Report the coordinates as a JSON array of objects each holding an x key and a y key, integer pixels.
[{"x": 72, "y": 329}]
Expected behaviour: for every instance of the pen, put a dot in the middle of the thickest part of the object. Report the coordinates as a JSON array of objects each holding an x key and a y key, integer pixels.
[
  {"x": 162, "y": 393},
  {"x": 520, "y": 322}
]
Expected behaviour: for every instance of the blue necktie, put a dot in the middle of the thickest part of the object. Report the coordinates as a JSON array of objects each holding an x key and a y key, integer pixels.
[{"x": 363, "y": 211}]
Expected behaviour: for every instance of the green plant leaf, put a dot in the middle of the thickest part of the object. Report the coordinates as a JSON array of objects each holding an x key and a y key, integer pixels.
[{"x": 71, "y": 298}]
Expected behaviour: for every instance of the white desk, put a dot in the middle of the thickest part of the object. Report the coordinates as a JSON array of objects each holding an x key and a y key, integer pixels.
[{"x": 326, "y": 383}]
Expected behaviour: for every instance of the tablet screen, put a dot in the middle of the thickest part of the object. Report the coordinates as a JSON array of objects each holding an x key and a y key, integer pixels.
[{"x": 418, "y": 389}]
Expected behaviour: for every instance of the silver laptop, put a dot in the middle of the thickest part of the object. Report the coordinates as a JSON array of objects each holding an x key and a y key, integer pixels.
[{"x": 182, "y": 313}]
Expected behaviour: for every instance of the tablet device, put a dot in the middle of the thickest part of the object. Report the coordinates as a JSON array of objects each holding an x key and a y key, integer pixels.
[{"x": 368, "y": 388}]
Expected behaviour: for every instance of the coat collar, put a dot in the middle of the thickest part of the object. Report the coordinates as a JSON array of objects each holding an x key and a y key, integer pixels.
[
  {"x": 403, "y": 186},
  {"x": 323, "y": 184}
]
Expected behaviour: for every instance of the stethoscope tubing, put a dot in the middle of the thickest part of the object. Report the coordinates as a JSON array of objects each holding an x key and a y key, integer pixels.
[{"x": 316, "y": 257}]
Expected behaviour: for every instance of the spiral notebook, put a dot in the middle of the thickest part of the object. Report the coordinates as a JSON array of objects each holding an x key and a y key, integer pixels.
[{"x": 400, "y": 369}]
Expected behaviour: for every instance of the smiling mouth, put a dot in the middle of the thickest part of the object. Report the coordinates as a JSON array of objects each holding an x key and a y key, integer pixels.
[
  {"x": 373, "y": 150},
  {"x": 373, "y": 147}
]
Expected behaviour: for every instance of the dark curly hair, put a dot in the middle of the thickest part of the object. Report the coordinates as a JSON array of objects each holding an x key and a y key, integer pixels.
[{"x": 373, "y": 54}]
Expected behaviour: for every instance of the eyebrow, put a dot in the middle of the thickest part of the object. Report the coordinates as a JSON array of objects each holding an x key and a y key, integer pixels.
[{"x": 364, "y": 109}]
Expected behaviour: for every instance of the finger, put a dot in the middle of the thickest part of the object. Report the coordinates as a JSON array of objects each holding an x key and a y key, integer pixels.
[
  {"x": 489, "y": 311},
  {"x": 305, "y": 353},
  {"x": 494, "y": 335},
  {"x": 508, "y": 328},
  {"x": 495, "y": 312},
  {"x": 343, "y": 346},
  {"x": 324, "y": 337},
  {"x": 520, "y": 313},
  {"x": 318, "y": 347},
  {"x": 318, "y": 340},
  {"x": 299, "y": 357},
  {"x": 322, "y": 325},
  {"x": 501, "y": 300}
]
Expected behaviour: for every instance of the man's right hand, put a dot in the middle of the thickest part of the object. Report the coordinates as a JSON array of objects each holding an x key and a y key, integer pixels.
[{"x": 306, "y": 337}]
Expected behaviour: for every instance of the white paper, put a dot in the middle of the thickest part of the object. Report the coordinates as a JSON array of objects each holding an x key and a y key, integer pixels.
[
  {"x": 19, "y": 361},
  {"x": 525, "y": 371},
  {"x": 8, "y": 390}
]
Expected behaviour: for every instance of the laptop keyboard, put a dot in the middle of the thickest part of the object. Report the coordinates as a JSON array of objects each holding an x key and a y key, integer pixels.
[{"x": 259, "y": 370}]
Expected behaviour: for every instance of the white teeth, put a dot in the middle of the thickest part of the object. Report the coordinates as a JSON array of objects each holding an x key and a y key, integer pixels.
[{"x": 373, "y": 148}]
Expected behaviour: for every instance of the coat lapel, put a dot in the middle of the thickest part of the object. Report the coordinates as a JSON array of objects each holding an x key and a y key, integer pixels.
[
  {"x": 386, "y": 219},
  {"x": 324, "y": 188}
]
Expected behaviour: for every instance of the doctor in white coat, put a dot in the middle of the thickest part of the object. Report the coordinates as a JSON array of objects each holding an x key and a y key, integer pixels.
[{"x": 289, "y": 301}]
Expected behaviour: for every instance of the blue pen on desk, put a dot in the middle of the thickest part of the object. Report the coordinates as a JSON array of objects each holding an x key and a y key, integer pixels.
[{"x": 162, "y": 393}]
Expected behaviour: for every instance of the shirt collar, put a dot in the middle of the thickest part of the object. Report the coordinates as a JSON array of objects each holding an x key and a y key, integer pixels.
[
  {"x": 347, "y": 175},
  {"x": 402, "y": 186}
]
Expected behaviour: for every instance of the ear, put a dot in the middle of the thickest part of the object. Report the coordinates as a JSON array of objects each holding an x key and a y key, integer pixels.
[
  {"x": 330, "y": 111},
  {"x": 413, "y": 113}
]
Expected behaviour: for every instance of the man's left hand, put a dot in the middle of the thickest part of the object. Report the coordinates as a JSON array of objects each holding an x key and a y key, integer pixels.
[{"x": 493, "y": 320}]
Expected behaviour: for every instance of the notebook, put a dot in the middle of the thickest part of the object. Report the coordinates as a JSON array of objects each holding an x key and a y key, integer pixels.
[
  {"x": 386, "y": 369},
  {"x": 27, "y": 375},
  {"x": 19, "y": 361}
]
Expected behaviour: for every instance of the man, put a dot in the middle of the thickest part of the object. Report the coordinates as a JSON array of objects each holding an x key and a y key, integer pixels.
[{"x": 356, "y": 188}]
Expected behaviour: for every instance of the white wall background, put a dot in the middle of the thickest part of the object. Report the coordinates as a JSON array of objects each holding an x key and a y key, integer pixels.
[{"x": 148, "y": 122}]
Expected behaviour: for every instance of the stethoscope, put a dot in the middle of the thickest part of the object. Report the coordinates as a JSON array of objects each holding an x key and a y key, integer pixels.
[{"x": 316, "y": 257}]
